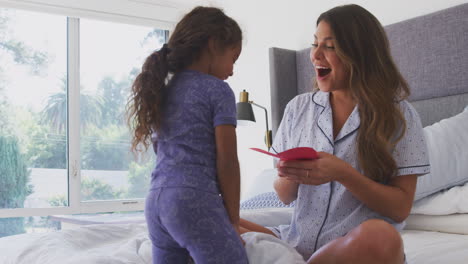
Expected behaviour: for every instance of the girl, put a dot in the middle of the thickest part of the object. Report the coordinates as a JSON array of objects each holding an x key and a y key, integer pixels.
[
  {"x": 351, "y": 201},
  {"x": 192, "y": 118}
]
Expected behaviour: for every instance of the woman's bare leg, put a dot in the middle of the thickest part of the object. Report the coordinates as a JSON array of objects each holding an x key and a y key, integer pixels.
[
  {"x": 373, "y": 241},
  {"x": 247, "y": 226}
]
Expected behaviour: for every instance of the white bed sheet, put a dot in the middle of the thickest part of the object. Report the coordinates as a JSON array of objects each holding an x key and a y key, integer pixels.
[
  {"x": 129, "y": 243},
  {"x": 424, "y": 247}
]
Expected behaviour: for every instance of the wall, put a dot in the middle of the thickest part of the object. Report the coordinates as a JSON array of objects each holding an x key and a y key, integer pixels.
[{"x": 268, "y": 23}]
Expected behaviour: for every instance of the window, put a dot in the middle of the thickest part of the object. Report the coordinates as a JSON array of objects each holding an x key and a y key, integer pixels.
[
  {"x": 110, "y": 57},
  {"x": 64, "y": 83},
  {"x": 34, "y": 71}
]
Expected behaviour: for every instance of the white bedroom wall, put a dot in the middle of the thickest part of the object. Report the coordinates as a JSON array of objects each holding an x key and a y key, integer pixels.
[{"x": 289, "y": 24}]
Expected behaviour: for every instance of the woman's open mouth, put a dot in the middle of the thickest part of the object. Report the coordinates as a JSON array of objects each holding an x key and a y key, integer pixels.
[{"x": 322, "y": 72}]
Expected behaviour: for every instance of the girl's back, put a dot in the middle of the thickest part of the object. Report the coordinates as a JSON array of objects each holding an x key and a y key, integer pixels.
[{"x": 186, "y": 147}]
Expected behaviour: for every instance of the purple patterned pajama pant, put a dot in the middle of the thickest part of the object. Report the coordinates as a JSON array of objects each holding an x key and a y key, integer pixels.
[{"x": 185, "y": 222}]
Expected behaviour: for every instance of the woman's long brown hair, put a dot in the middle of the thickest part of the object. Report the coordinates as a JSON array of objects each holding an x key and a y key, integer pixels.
[
  {"x": 375, "y": 83},
  {"x": 190, "y": 37}
]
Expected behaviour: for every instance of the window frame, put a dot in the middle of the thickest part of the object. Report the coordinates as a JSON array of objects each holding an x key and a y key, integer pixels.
[{"x": 75, "y": 205}]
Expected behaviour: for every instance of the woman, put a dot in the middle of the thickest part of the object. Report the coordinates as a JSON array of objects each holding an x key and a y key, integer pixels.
[{"x": 351, "y": 201}]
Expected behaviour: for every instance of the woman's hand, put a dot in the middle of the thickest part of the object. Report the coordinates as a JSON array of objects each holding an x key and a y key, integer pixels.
[{"x": 325, "y": 169}]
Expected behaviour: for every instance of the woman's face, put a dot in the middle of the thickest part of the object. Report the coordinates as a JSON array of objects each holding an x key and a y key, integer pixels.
[{"x": 329, "y": 70}]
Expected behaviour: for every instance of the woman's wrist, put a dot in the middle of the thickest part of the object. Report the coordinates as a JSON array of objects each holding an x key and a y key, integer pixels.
[{"x": 348, "y": 175}]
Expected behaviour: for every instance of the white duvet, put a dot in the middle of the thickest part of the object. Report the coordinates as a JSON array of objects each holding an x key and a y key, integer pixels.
[{"x": 116, "y": 243}]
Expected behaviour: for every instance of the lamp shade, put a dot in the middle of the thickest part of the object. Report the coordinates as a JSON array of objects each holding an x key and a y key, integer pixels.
[{"x": 245, "y": 112}]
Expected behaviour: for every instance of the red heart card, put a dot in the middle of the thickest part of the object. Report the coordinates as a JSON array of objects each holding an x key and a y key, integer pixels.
[{"x": 300, "y": 153}]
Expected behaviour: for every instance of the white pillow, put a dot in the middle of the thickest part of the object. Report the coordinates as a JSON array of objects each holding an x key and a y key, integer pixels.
[
  {"x": 447, "y": 143},
  {"x": 451, "y": 201}
]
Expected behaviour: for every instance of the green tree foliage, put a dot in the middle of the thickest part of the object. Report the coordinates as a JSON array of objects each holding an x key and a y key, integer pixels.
[
  {"x": 55, "y": 111},
  {"x": 58, "y": 200},
  {"x": 19, "y": 52},
  {"x": 106, "y": 149},
  {"x": 14, "y": 175},
  {"x": 139, "y": 178},
  {"x": 12, "y": 50},
  {"x": 114, "y": 99},
  {"x": 46, "y": 150},
  {"x": 14, "y": 183},
  {"x": 42, "y": 148},
  {"x": 24, "y": 55},
  {"x": 5, "y": 116},
  {"x": 93, "y": 189}
]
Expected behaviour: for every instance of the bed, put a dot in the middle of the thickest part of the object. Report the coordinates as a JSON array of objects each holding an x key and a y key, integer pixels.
[{"x": 431, "y": 53}]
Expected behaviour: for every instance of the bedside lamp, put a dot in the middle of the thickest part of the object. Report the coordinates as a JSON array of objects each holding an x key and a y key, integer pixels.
[{"x": 245, "y": 115}]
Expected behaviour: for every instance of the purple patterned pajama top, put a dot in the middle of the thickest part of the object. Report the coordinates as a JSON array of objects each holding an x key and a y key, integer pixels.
[{"x": 186, "y": 146}]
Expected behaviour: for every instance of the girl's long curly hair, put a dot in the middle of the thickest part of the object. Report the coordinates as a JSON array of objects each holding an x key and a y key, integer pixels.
[
  {"x": 375, "y": 83},
  {"x": 189, "y": 38}
]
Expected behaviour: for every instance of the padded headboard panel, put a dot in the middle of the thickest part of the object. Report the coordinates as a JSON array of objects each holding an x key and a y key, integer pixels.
[{"x": 431, "y": 52}]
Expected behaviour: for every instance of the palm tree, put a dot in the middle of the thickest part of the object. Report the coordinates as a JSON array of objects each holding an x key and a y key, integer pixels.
[{"x": 55, "y": 111}]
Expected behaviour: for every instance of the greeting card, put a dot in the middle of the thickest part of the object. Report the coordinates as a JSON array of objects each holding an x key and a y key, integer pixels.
[{"x": 300, "y": 153}]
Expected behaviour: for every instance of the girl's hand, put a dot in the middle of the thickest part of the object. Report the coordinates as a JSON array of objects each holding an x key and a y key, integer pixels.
[
  {"x": 238, "y": 230},
  {"x": 325, "y": 169}
]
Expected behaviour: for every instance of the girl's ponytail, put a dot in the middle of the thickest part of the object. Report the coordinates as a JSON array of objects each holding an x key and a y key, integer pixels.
[{"x": 148, "y": 97}]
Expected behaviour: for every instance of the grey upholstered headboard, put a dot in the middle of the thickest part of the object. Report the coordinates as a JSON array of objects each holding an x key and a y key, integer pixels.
[{"x": 431, "y": 52}]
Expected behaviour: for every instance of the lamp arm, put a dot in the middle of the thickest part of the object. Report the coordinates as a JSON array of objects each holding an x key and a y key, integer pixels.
[
  {"x": 268, "y": 138},
  {"x": 266, "y": 113}
]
